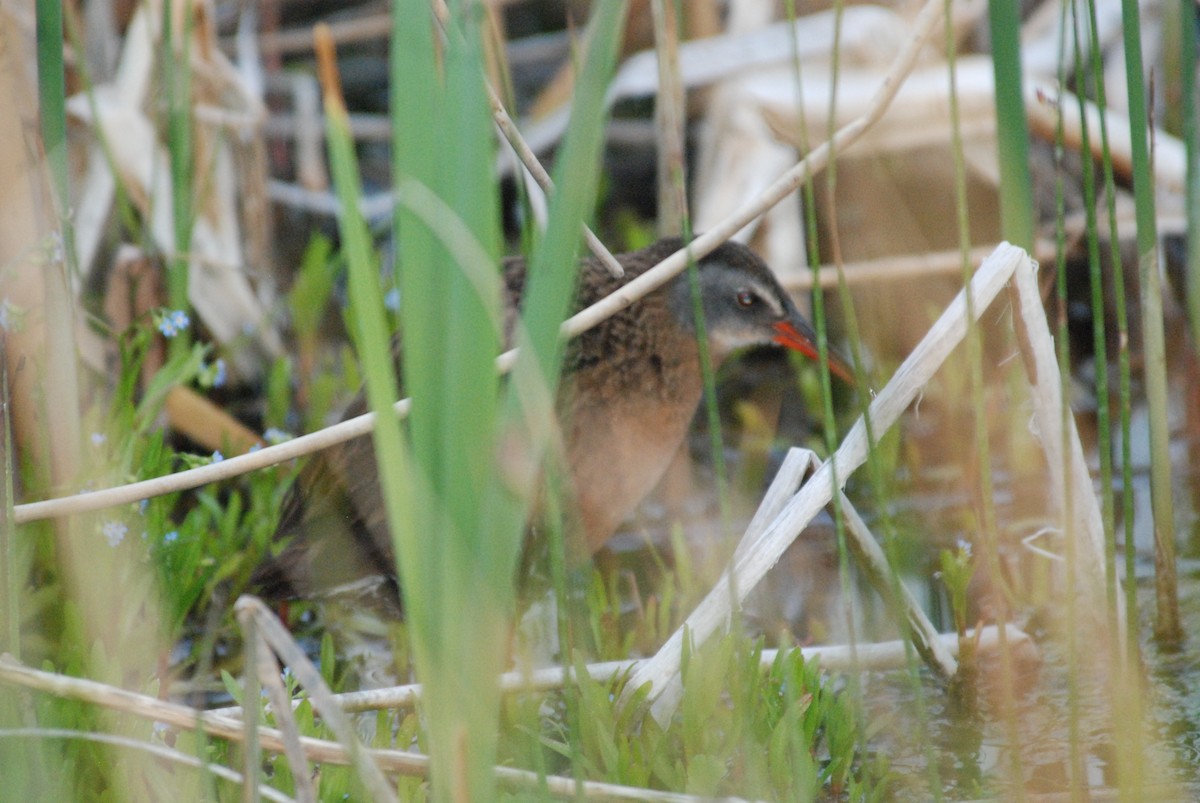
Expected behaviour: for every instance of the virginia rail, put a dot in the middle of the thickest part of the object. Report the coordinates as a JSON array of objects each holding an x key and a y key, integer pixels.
[{"x": 630, "y": 388}]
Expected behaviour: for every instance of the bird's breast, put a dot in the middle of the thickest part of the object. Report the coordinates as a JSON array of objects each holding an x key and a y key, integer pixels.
[{"x": 621, "y": 441}]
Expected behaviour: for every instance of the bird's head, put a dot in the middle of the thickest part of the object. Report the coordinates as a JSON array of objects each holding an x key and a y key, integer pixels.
[{"x": 744, "y": 305}]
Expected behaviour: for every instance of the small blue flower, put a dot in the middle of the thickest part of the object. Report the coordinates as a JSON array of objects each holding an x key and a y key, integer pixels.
[
  {"x": 213, "y": 374},
  {"x": 142, "y": 505},
  {"x": 98, "y": 438},
  {"x": 114, "y": 532},
  {"x": 173, "y": 322},
  {"x": 217, "y": 457},
  {"x": 171, "y": 537},
  {"x": 274, "y": 435},
  {"x": 254, "y": 447},
  {"x": 392, "y": 299}
]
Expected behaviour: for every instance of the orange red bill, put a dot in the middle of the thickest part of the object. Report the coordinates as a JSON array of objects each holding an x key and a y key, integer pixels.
[{"x": 801, "y": 338}]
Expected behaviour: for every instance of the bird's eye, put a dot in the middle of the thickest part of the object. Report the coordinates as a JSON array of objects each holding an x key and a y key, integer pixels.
[{"x": 745, "y": 299}]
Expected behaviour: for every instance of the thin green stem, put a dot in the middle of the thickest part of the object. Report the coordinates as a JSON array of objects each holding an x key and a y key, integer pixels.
[
  {"x": 1167, "y": 626},
  {"x": 1191, "y": 138},
  {"x": 1017, "y": 223},
  {"x": 1123, "y": 363},
  {"x": 52, "y": 97},
  {"x": 177, "y": 81},
  {"x": 572, "y": 699},
  {"x": 712, "y": 409},
  {"x": 10, "y": 573},
  {"x": 1099, "y": 333},
  {"x": 1016, "y": 182},
  {"x": 1062, "y": 346},
  {"x": 1130, "y": 765},
  {"x": 61, "y": 379}
]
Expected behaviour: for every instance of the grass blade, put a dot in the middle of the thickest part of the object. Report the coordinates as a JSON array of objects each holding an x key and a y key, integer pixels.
[
  {"x": 1167, "y": 625},
  {"x": 1016, "y": 183}
]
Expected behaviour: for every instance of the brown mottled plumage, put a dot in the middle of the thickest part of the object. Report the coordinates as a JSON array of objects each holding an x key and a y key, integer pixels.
[{"x": 630, "y": 388}]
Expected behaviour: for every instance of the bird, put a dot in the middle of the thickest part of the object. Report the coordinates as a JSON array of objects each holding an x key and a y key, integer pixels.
[{"x": 630, "y": 388}]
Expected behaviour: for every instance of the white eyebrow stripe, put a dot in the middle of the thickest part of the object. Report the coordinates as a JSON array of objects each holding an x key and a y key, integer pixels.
[{"x": 768, "y": 295}]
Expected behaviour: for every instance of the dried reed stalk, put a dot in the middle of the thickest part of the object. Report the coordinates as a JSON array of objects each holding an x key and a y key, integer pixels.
[
  {"x": 877, "y": 657},
  {"x": 159, "y": 751},
  {"x": 317, "y": 750}
]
